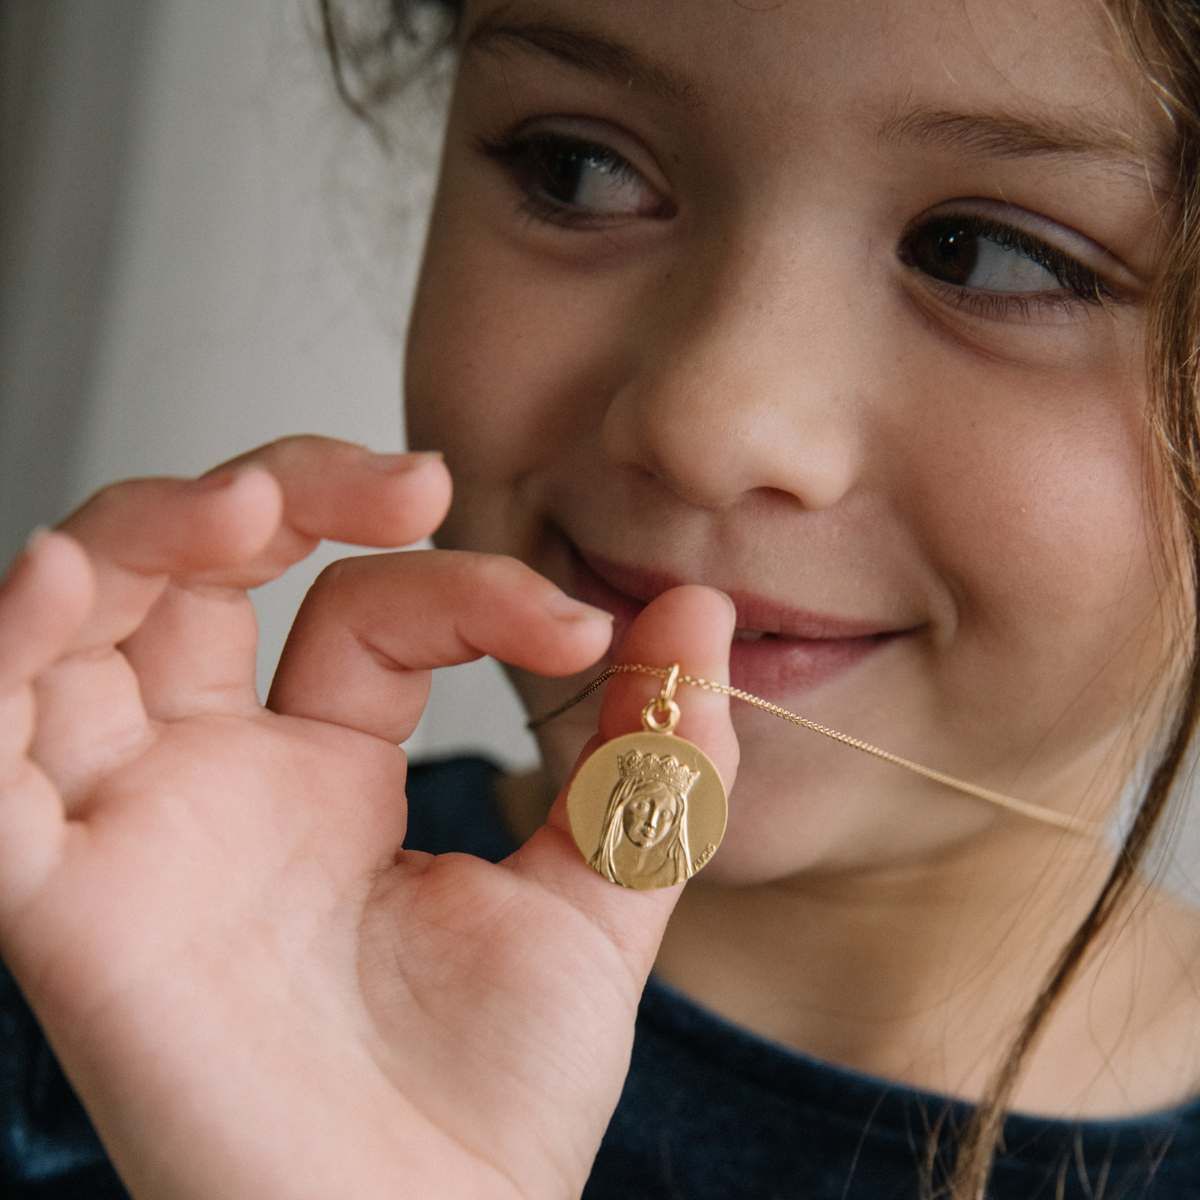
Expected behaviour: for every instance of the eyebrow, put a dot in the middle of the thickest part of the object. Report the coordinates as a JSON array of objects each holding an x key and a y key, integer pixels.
[
  {"x": 577, "y": 47},
  {"x": 1012, "y": 135},
  {"x": 985, "y": 135}
]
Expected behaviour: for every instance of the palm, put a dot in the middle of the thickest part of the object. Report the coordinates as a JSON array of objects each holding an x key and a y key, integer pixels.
[
  {"x": 225, "y": 937},
  {"x": 478, "y": 985},
  {"x": 221, "y": 817}
]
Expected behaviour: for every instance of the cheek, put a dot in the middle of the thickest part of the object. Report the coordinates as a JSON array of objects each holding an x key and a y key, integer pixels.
[
  {"x": 470, "y": 379},
  {"x": 506, "y": 367},
  {"x": 1045, "y": 536}
]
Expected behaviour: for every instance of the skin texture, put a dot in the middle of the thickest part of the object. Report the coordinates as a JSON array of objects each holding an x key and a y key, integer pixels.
[{"x": 733, "y": 376}]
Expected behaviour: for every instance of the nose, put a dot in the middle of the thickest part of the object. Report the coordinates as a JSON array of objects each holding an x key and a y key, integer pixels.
[{"x": 746, "y": 376}]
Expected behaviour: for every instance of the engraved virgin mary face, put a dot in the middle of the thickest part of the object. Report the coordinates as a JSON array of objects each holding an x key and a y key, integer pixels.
[{"x": 650, "y": 815}]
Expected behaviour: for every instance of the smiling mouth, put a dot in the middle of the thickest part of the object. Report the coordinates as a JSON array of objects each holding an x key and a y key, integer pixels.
[{"x": 776, "y": 650}]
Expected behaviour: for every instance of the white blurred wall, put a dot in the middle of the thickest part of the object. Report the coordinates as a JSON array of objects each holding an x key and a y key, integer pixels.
[{"x": 202, "y": 252}]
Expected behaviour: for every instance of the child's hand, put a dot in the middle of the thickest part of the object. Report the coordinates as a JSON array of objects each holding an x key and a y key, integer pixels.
[{"x": 253, "y": 993}]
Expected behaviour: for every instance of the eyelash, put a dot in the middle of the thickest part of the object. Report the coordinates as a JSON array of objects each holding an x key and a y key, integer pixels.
[
  {"x": 1080, "y": 284},
  {"x": 517, "y": 154}
]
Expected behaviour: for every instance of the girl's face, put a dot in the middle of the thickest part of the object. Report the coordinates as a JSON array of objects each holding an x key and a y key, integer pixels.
[{"x": 836, "y": 307}]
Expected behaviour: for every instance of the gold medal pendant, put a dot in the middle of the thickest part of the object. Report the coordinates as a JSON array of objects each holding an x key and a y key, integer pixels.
[{"x": 648, "y": 810}]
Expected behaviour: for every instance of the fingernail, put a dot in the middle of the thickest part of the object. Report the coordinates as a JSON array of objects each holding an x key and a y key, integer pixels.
[
  {"x": 214, "y": 481},
  {"x": 400, "y": 464},
  {"x": 563, "y": 607},
  {"x": 37, "y": 536}
]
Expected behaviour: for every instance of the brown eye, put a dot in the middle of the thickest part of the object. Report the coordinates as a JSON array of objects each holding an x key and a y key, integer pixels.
[
  {"x": 570, "y": 181},
  {"x": 946, "y": 250},
  {"x": 573, "y": 174},
  {"x": 971, "y": 252}
]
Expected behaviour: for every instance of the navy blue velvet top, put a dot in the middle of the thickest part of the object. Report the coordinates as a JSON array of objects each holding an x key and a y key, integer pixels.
[{"x": 709, "y": 1111}]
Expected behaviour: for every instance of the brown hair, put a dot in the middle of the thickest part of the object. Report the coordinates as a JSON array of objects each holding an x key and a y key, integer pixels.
[{"x": 1163, "y": 38}]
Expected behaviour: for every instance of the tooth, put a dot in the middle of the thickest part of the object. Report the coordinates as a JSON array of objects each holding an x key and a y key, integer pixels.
[{"x": 747, "y": 635}]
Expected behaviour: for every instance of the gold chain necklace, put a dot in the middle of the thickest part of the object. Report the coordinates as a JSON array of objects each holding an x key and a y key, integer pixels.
[{"x": 640, "y": 803}]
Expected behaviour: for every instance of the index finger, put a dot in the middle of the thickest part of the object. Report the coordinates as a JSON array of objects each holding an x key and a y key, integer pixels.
[{"x": 244, "y": 523}]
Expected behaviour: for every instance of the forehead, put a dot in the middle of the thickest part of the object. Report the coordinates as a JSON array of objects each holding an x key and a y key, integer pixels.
[
  {"x": 654, "y": 793},
  {"x": 792, "y": 67}
]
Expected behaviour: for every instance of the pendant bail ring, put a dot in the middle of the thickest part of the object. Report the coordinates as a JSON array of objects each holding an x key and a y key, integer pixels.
[
  {"x": 658, "y": 717},
  {"x": 661, "y": 715}
]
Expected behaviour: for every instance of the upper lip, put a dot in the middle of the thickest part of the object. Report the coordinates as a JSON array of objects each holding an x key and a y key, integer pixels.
[{"x": 754, "y": 612}]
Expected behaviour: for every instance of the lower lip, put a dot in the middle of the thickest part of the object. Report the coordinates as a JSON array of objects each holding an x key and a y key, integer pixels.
[{"x": 771, "y": 666}]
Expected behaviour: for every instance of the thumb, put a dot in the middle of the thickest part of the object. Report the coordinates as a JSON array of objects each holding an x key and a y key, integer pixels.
[{"x": 692, "y": 626}]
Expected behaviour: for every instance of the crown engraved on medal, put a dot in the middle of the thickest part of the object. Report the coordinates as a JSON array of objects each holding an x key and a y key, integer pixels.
[{"x": 657, "y": 768}]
